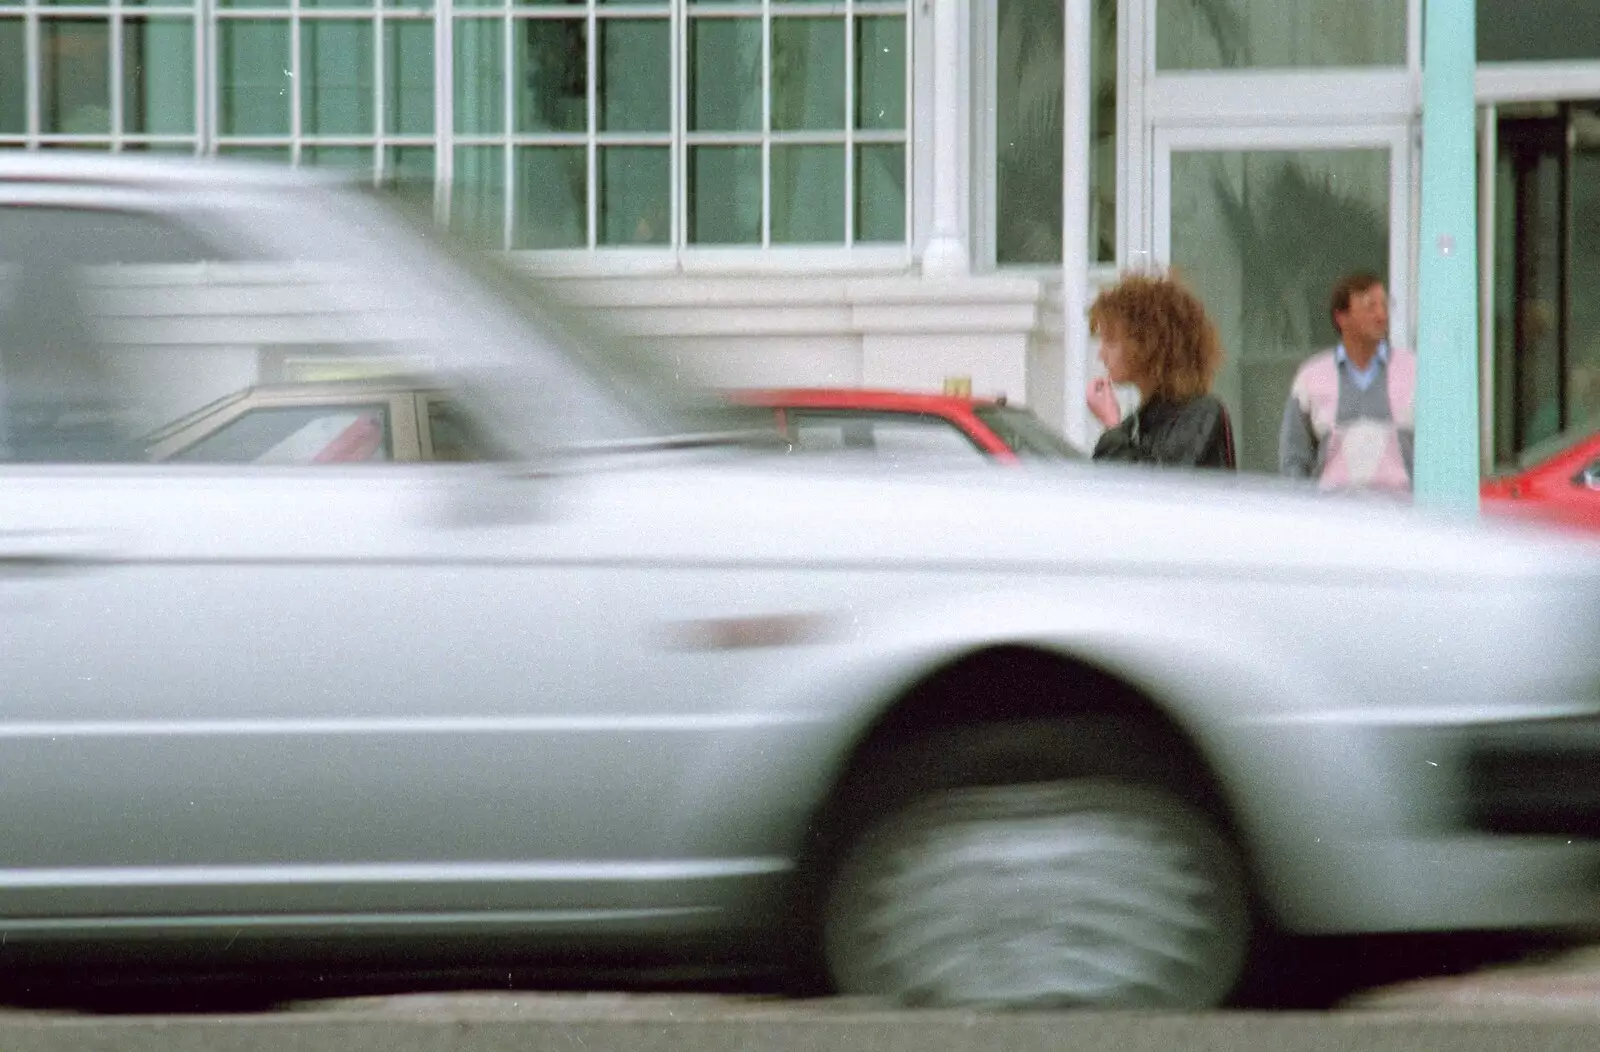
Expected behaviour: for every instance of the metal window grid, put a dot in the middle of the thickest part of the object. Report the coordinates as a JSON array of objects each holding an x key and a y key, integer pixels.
[
  {"x": 114, "y": 15},
  {"x": 677, "y": 138},
  {"x": 208, "y": 17}
]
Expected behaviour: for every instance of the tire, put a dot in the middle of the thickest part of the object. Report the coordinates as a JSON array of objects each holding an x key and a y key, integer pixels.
[{"x": 1034, "y": 865}]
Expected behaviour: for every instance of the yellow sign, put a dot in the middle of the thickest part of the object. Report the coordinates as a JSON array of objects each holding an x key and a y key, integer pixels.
[{"x": 958, "y": 386}]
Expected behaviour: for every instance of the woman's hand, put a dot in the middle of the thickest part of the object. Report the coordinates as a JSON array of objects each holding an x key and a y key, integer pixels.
[{"x": 1103, "y": 402}]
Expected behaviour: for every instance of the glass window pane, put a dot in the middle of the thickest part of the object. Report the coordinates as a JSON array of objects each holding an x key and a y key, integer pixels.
[
  {"x": 635, "y": 92},
  {"x": 880, "y": 205},
  {"x": 13, "y": 76},
  {"x": 75, "y": 76},
  {"x": 422, "y": 5},
  {"x": 725, "y": 195},
  {"x": 253, "y": 3},
  {"x": 1583, "y": 361},
  {"x": 725, "y": 74},
  {"x": 357, "y": 159},
  {"x": 408, "y": 70},
  {"x": 409, "y": 171},
  {"x": 478, "y": 194},
  {"x": 808, "y": 74},
  {"x": 1524, "y": 31},
  {"x": 552, "y": 62},
  {"x": 807, "y": 194},
  {"x": 253, "y": 63},
  {"x": 158, "y": 76},
  {"x": 160, "y": 147},
  {"x": 336, "y": 3},
  {"x": 1262, "y": 237},
  {"x": 263, "y": 154},
  {"x": 552, "y": 198},
  {"x": 881, "y": 73},
  {"x": 1264, "y": 34},
  {"x": 1028, "y": 145},
  {"x": 1103, "y": 135},
  {"x": 479, "y": 98},
  {"x": 322, "y": 434},
  {"x": 1534, "y": 344},
  {"x": 635, "y": 195},
  {"x": 336, "y": 77}
]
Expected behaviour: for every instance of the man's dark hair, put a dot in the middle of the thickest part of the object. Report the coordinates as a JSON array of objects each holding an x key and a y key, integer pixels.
[{"x": 1350, "y": 285}]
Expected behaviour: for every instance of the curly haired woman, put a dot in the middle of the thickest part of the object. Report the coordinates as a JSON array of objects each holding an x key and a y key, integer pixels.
[{"x": 1154, "y": 334}]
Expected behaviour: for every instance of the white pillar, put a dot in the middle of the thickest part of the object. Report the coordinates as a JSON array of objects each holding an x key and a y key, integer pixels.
[
  {"x": 1077, "y": 107},
  {"x": 946, "y": 251}
]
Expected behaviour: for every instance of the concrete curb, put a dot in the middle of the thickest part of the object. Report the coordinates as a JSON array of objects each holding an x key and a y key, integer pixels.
[{"x": 468, "y": 1030}]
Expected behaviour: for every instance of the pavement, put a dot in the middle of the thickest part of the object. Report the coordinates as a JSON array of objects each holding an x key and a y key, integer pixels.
[{"x": 1566, "y": 983}]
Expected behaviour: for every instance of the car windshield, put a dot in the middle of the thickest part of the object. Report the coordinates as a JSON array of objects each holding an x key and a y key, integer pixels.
[{"x": 1027, "y": 435}]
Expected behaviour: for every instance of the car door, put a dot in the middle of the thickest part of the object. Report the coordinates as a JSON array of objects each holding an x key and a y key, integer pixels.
[{"x": 296, "y": 689}]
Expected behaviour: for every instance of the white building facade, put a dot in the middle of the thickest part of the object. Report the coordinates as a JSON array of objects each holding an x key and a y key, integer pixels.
[{"x": 898, "y": 192}]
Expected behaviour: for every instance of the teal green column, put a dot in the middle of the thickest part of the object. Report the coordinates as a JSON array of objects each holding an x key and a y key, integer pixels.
[{"x": 1446, "y": 465}]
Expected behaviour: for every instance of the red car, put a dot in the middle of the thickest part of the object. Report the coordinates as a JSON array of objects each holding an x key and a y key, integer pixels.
[
  {"x": 1557, "y": 482},
  {"x": 896, "y": 423}
]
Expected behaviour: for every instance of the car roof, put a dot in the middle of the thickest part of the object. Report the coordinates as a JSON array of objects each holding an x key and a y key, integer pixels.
[
  {"x": 867, "y": 398},
  {"x": 135, "y": 170}
]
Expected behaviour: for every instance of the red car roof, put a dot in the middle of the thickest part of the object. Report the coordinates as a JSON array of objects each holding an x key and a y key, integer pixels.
[{"x": 854, "y": 398}]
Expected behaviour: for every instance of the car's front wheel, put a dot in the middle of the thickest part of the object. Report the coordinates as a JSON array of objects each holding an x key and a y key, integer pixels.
[{"x": 1010, "y": 868}]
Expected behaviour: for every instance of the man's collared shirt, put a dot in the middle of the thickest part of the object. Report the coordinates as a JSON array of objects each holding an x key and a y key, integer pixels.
[{"x": 1363, "y": 378}]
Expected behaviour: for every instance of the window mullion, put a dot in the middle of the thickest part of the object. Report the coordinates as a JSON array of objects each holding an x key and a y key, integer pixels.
[
  {"x": 33, "y": 44},
  {"x": 766, "y": 124},
  {"x": 379, "y": 116},
  {"x": 678, "y": 159},
  {"x": 116, "y": 73},
  {"x": 444, "y": 93},
  {"x": 850, "y": 88},
  {"x": 591, "y": 150},
  {"x": 296, "y": 73},
  {"x": 205, "y": 72},
  {"x": 508, "y": 122}
]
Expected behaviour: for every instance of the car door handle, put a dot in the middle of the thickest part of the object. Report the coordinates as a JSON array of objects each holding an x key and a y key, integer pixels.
[{"x": 35, "y": 554}]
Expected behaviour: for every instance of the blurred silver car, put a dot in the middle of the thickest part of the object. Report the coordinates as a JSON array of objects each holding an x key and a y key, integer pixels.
[{"x": 950, "y": 736}]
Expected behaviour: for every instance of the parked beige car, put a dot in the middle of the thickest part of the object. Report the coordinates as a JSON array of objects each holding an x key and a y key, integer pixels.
[{"x": 326, "y": 422}]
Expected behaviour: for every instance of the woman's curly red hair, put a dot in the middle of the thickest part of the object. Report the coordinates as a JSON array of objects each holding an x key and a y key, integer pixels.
[{"x": 1169, "y": 343}]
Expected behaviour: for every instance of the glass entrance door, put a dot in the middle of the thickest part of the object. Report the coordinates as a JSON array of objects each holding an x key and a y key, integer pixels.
[
  {"x": 1262, "y": 223},
  {"x": 1546, "y": 266}
]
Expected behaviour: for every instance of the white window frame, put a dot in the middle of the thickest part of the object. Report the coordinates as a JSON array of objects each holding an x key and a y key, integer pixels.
[
  {"x": 984, "y": 216},
  {"x": 379, "y": 141},
  {"x": 678, "y": 256},
  {"x": 34, "y": 13},
  {"x": 1325, "y": 97}
]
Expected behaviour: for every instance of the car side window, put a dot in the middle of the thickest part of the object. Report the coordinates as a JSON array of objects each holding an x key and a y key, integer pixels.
[
  {"x": 66, "y": 390},
  {"x": 454, "y": 435},
  {"x": 124, "y": 332},
  {"x": 325, "y": 434},
  {"x": 893, "y": 435}
]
